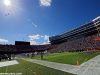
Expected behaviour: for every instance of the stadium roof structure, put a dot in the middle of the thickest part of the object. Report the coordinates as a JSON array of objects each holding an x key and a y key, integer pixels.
[{"x": 96, "y": 18}]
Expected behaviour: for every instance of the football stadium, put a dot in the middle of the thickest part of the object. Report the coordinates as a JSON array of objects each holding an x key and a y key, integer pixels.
[
  {"x": 73, "y": 52},
  {"x": 74, "y": 47}
]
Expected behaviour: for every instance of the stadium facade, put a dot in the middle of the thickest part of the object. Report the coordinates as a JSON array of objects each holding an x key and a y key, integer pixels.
[{"x": 79, "y": 39}]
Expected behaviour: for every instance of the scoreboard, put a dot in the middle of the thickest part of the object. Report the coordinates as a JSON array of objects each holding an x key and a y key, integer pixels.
[{"x": 22, "y": 43}]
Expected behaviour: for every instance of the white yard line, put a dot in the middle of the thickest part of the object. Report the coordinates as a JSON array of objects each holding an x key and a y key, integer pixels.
[{"x": 8, "y": 63}]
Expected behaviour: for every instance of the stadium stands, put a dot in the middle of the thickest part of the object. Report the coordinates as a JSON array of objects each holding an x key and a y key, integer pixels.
[
  {"x": 79, "y": 39},
  {"x": 8, "y": 51}
]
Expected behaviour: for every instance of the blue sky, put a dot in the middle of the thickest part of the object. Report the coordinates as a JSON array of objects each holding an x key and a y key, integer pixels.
[{"x": 36, "y": 20}]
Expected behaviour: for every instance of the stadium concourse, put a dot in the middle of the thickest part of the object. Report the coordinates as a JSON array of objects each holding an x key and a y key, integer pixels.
[{"x": 83, "y": 38}]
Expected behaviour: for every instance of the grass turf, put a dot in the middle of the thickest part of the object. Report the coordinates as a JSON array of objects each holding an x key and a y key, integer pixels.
[
  {"x": 28, "y": 68},
  {"x": 69, "y": 57}
]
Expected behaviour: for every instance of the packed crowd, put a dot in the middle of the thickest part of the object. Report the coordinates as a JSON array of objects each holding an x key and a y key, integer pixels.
[{"x": 81, "y": 44}]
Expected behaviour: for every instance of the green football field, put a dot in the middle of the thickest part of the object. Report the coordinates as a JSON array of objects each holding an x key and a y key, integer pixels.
[
  {"x": 28, "y": 68},
  {"x": 69, "y": 57}
]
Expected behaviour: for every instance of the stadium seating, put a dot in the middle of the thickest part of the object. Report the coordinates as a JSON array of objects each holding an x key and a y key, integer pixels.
[{"x": 87, "y": 43}]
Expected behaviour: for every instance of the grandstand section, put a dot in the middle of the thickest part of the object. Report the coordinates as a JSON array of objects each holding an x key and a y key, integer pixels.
[
  {"x": 79, "y": 39},
  {"x": 7, "y": 51}
]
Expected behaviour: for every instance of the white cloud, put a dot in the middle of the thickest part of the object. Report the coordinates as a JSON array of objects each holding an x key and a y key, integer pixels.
[
  {"x": 34, "y": 39},
  {"x": 33, "y": 42},
  {"x": 45, "y": 2},
  {"x": 31, "y": 22},
  {"x": 46, "y": 42},
  {"x": 46, "y": 37},
  {"x": 34, "y": 24},
  {"x": 3, "y": 41}
]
